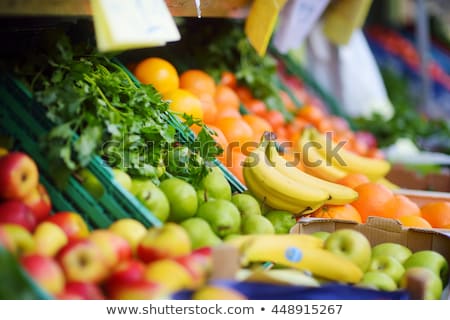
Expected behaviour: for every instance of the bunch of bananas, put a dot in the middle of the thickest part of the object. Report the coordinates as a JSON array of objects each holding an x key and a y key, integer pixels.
[
  {"x": 281, "y": 185},
  {"x": 298, "y": 251},
  {"x": 327, "y": 160}
]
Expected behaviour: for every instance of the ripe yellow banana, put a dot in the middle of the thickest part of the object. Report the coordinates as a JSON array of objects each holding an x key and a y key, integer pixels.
[
  {"x": 320, "y": 262},
  {"x": 347, "y": 160},
  {"x": 314, "y": 163},
  {"x": 275, "y": 201},
  {"x": 292, "y": 239},
  {"x": 339, "y": 194},
  {"x": 259, "y": 172}
]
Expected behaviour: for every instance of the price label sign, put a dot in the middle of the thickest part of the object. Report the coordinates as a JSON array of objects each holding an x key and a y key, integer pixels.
[
  {"x": 122, "y": 25},
  {"x": 297, "y": 19},
  {"x": 261, "y": 21}
]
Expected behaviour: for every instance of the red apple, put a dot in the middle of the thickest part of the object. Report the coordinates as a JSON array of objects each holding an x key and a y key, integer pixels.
[
  {"x": 18, "y": 175},
  {"x": 168, "y": 241},
  {"x": 68, "y": 296},
  {"x": 128, "y": 271},
  {"x": 39, "y": 202},
  {"x": 198, "y": 264},
  {"x": 140, "y": 290},
  {"x": 45, "y": 271},
  {"x": 14, "y": 211},
  {"x": 84, "y": 290},
  {"x": 72, "y": 224},
  {"x": 3, "y": 152},
  {"x": 113, "y": 247},
  {"x": 49, "y": 238},
  {"x": 83, "y": 261}
]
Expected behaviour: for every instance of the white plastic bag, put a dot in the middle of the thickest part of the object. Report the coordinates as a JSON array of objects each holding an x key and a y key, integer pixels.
[{"x": 350, "y": 73}]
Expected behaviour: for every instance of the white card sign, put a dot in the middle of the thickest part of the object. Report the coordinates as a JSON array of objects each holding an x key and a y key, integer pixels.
[{"x": 296, "y": 20}]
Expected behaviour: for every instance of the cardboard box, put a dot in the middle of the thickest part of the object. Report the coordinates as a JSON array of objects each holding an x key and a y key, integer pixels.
[
  {"x": 379, "y": 230},
  {"x": 421, "y": 197}
]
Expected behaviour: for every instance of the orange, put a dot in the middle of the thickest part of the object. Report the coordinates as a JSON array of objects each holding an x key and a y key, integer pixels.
[
  {"x": 228, "y": 113},
  {"x": 221, "y": 140},
  {"x": 414, "y": 221},
  {"x": 209, "y": 108},
  {"x": 158, "y": 72},
  {"x": 399, "y": 206},
  {"x": 235, "y": 163},
  {"x": 258, "y": 125},
  {"x": 183, "y": 101},
  {"x": 352, "y": 180},
  {"x": 372, "y": 197},
  {"x": 344, "y": 212},
  {"x": 237, "y": 132},
  {"x": 197, "y": 82},
  {"x": 243, "y": 93},
  {"x": 311, "y": 113},
  {"x": 255, "y": 106},
  {"x": 275, "y": 118},
  {"x": 226, "y": 98},
  {"x": 229, "y": 79},
  {"x": 437, "y": 213}
]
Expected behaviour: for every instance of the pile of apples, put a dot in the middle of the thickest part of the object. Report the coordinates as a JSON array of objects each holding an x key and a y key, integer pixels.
[
  {"x": 387, "y": 266},
  {"x": 69, "y": 261}
]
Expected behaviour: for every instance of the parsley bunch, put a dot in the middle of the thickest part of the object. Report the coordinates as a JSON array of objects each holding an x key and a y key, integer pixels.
[{"x": 91, "y": 96}]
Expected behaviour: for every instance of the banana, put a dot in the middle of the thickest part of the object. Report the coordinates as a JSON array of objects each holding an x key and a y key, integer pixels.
[
  {"x": 275, "y": 201},
  {"x": 314, "y": 163},
  {"x": 282, "y": 276},
  {"x": 291, "y": 239},
  {"x": 350, "y": 161},
  {"x": 339, "y": 194},
  {"x": 320, "y": 262},
  {"x": 258, "y": 172}
]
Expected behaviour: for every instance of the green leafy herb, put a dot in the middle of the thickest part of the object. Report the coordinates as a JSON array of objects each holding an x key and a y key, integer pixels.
[{"x": 86, "y": 93}]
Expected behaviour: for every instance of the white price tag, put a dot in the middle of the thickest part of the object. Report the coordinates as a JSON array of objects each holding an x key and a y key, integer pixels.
[
  {"x": 121, "y": 25},
  {"x": 297, "y": 19}
]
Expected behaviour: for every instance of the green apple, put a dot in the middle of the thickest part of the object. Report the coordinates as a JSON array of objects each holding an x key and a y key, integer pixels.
[
  {"x": 432, "y": 283},
  {"x": 256, "y": 224},
  {"x": 282, "y": 221},
  {"x": 398, "y": 251},
  {"x": 137, "y": 185},
  {"x": 246, "y": 204},
  {"x": 378, "y": 280},
  {"x": 200, "y": 233},
  {"x": 352, "y": 245},
  {"x": 182, "y": 198},
  {"x": 222, "y": 215},
  {"x": 21, "y": 239},
  {"x": 90, "y": 182},
  {"x": 432, "y": 260},
  {"x": 321, "y": 234},
  {"x": 122, "y": 178},
  {"x": 215, "y": 185},
  {"x": 154, "y": 200},
  {"x": 389, "y": 265}
]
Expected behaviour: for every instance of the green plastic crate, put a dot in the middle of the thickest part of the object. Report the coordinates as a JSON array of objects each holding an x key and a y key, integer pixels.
[
  {"x": 188, "y": 136},
  {"x": 25, "y": 120}
]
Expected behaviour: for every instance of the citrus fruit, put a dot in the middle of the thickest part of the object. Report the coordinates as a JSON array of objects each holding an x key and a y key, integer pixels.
[
  {"x": 158, "y": 72},
  {"x": 226, "y": 98},
  {"x": 344, "y": 212},
  {"x": 236, "y": 130},
  {"x": 258, "y": 125},
  {"x": 229, "y": 79},
  {"x": 437, "y": 213},
  {"x": 352, "y": 180},
  {"x": 414, "y": 221},
  {"x": 399, "y": 206},
  {"x": 197, "y": 82},
  {"x": 209, "y": 107},
  {"x": 183, "y": 101},
  {"x": 255, "y": 106},
  {"x": 372, "y": 197}
]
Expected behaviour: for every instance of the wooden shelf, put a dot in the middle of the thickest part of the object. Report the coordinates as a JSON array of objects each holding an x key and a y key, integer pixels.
[{"x": 178, "y": 8}]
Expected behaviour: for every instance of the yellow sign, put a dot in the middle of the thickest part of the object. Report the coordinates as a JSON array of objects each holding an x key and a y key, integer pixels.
[
  {"x": 261, "y": 22},
  {"x": 122, "y": 25}
]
